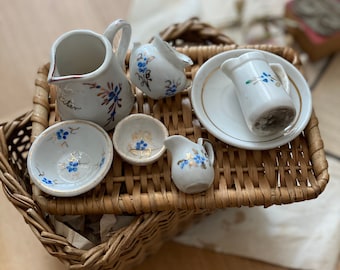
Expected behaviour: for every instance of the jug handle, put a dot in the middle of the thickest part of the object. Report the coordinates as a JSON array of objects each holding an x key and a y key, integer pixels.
[
  {"x": 123, "y": 45},
  {"x": 209, "y": 148},
  {"x": 282, "y": 75}
]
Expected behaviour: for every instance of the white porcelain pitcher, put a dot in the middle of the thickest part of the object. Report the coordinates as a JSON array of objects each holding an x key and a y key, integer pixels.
[
  {"x": 192, "y": 168},
  {"x": 90, "y": 76},
  {"x": 158, "y": 69}
]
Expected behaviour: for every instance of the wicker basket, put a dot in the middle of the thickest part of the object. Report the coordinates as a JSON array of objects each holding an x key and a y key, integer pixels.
[
  {"x": 293, "y": 172},
  {"x": 126, "y": 247},
  {"x": 243, "y": 177}
]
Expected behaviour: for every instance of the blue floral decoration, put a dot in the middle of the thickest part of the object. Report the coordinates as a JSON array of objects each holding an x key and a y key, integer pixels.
[
  {"x": 195, "y": 159},
  {"x": 47, "y": 181},
  {"x": 144, "y": 73},
  {"x": 141, "y": 64},
  {"x": 171, "y": 88},
  {"x": 200, "y": 159},
  {"x": 111, "y": 96},
  {"x": 141, "y": 145},
  {"x": 72, "y": 166},
  {"x": 182, "y": 163},
  {"x": 62, "y": 134},
  {"x": 101, "y": 162},
  {"x": 265, "y": 78}
]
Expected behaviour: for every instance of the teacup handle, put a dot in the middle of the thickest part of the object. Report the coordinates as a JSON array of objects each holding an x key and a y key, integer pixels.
[
  {"x": 209, "y": 148},
  {"x": 281, "y": 73},
  {"x": 123, "y": 46}
]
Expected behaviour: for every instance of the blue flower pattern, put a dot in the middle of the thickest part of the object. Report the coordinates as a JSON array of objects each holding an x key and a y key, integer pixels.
[
  {"x": 194, "y": 159},
  {"x": 47, "y": 181},
  {"x": 102, "y": 162},
  {"x": 266, "y": 78},
  {"x": 144, "y": 73},
  {"x": 72, "y": 166},
  {"x": 111, "y": 97},
  {"x": 171, "y": 88},
  {"x": 62, "y": 134},
  {"x": 200, "y": 160},
  {"x": 182, "y": 163},
  {"x": 141, "y": 145},
  {"x": 142, "y": 65}
]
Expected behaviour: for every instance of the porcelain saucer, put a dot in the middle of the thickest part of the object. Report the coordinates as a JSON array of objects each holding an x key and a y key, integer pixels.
[{"x": 216, "y": 105}]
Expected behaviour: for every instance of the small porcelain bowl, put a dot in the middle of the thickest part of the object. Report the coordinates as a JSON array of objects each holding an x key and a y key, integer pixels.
[
  {"x": 70, "y": 158},
  {"x": 139, "y": 139}
]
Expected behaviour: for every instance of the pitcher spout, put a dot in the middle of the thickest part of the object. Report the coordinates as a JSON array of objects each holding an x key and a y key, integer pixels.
[
  {"x": 79, "y": 54},
  {"x": 54, "y": 77},
  {"x": 51, "y": 78},
  {"x": 178, "y": 59}
]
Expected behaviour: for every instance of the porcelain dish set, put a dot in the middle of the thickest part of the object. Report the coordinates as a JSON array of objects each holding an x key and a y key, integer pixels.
[{"x": 94, "y": 99}]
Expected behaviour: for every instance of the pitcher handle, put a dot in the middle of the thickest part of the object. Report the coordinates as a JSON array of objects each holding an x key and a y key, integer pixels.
[
  {"x": 123, "y": 45},
  {"x": 282, "y": 75},
  {"x": 209, "y": 148}
]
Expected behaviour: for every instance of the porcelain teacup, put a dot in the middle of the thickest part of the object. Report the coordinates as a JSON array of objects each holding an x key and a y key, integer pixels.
[{"x": 263, "y": 93}]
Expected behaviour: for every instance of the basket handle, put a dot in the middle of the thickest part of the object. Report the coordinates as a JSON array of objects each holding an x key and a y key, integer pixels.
[{"x": 194, "y": 32}]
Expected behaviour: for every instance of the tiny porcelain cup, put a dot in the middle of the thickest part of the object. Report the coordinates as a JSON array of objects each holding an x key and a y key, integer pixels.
[{"x": 263, "y": 92}]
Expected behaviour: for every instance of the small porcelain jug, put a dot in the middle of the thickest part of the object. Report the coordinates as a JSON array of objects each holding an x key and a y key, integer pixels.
[
  {"x": 90, "y": 77},
  {"x": 158, "y": 69},
  {"x": 192, "y": 168},
  {"x": 263, "y": 93}
]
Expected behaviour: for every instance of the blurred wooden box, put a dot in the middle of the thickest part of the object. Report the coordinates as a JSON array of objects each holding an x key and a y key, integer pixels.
[{"x": 315, "y": 45}]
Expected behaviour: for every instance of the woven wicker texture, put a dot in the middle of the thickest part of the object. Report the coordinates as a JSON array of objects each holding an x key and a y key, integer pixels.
[
  {"x": 125, "y": 248},
  {"x": 293, "y": 172}
]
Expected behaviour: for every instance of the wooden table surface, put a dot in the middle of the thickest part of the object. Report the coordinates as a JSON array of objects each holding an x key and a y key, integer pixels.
[{"x": 28, "y": 28}]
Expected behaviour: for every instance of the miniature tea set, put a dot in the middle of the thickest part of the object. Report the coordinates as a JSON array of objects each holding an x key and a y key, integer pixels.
[{"x": 247, "y": 98}]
